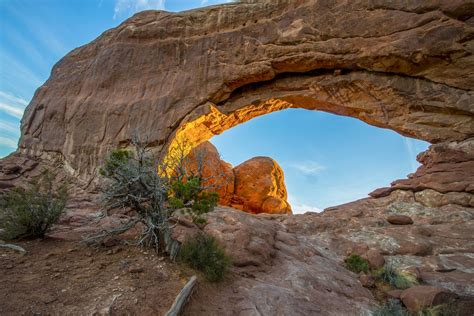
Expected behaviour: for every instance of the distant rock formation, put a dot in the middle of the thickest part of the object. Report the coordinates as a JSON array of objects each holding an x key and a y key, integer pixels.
[
  {"x": 255, "y": 186},
  {"x": 260, "y": 187}
]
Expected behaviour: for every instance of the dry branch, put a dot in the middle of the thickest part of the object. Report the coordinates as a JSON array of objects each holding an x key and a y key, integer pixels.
[{"x": 182, "y": 298}]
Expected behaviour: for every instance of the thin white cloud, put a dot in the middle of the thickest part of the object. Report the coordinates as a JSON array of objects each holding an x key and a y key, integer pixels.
[
  {"x": 12, "y": 110},
  {"x": 308, "y": 167},
  {"x": 13, "y": 70},
  {"x": 8, "y": 142},
  {"x": 12, "y": 98},
  {"x": 411, "y": 153},
  {"x": 9, "y": 127},
  {"x": 129, "y": 7},
  {"x": 301, "y": 208},
  {"x": 204, "y": 2}
]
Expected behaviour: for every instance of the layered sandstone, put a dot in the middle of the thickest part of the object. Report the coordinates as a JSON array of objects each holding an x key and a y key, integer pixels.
[{"x": 200, "y": 72}]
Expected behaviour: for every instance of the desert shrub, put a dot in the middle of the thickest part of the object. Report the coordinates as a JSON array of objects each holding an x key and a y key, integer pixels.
[
  {"x": 203, "y": 253},
  {"x": 187, "y": 192},
  {"x": 391, "y": 308},
  {"x": 32, "y": 210},
  {"x": 153, "y": 190},
  {"x": 356, "y": 264},
  {"x": 114, "y": 161},
  {"x": 131, "y": 181},
  {"x": 398, "y": 279}
]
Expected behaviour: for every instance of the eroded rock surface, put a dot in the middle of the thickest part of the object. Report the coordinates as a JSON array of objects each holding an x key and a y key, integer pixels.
[
  {"x": 260, "y": 187},
  {"x": 217, "y": 174},
  {"x": 200, "y": 72},
  {"x": 255, "y": 186}
]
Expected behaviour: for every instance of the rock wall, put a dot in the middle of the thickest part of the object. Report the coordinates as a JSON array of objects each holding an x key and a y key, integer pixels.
[{"x": 200, "y": 72}]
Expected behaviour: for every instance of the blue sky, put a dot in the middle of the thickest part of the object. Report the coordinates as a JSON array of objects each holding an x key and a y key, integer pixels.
[{"x": 327, "y": 159}]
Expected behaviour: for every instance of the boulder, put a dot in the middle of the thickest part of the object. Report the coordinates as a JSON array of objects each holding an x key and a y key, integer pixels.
[
  {"x": 216, "y": 173},
  {"x": 366, "y": 280},
  {"x": 399, "y": 219},
  {"x": 260, "y": 186},
  {"x": 420, "y": 296},
  {"x": 394, "y": 294},
  {"x": 375, "y": 258}
]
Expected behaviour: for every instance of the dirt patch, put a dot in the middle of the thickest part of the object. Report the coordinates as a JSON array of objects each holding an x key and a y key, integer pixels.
[{"x": 65, "y": 278}]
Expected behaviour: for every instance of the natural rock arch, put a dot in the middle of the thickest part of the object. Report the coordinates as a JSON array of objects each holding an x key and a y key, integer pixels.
[
  {"x": 385, "y": 101},
  {"x": 161, "y": 74}
]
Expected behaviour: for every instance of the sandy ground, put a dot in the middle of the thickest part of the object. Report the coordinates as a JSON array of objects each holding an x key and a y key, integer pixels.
[{"x": 66, "y": 278}]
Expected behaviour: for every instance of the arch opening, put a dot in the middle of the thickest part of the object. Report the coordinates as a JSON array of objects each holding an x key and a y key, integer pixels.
[{"x": 215, "y": 122}]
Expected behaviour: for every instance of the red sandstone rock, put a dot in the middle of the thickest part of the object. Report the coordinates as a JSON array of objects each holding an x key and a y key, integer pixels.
[
  {"x": 216, "y": 173},
  {"x": 261, "y": 187},
  {"x": 244, "y": 60},
  {"x": 395, "y": 293},
  {"x": 421, "y": 296},
  {"x": 259, "y": 183},
  {"x": 399, "y": 220},
  {"x": 375, "y": 259},
  {"x": 366, "y": 280}
]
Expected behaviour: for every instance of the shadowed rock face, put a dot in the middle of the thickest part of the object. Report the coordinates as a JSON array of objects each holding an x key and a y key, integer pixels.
[{"x": 200, "y": 72}]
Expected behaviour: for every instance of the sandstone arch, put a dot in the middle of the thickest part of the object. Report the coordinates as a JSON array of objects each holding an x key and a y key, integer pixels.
[
  {"x": 162, "y": 74},
  {"x": 403, "y": 65}
]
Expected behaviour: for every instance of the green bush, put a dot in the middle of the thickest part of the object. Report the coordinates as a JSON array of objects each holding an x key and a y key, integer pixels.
[
  {"x": 400, "y": 280},
  {"x": 189, "y": 193},
  {"x": 391, "y": 308},
  {"x": 114, "y": 161},
  {"x": 203, "y": 253},
  {"x": 356, "y": 264},
  {"x": 31, "y": 211}
]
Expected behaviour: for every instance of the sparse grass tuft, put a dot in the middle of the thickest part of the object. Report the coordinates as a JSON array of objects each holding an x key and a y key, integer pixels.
[
  {"x": 356, "y": 264},
  {"x": 400, "y": 280},
  {"x": 203, "y": 253},
  {"x": 391, "y": 308}
]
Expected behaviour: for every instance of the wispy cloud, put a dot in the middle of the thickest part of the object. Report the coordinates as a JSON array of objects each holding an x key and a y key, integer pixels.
[
  {"x": 204, "y": 2},
  {"x": 308, "y": 167},
  {"x": 129, "y": 7},
  {"x": 411, "y": 153},
  {"x": 40, "y": 30},
  {"x": 301, "y": 208},
  {"x": 12, "y": 105},
  {"x": 11, "y": 110},
  {"x": 10, "y": 128},
  {"x": 12, "y": 98},
  {"x": 8, "y": 142}
]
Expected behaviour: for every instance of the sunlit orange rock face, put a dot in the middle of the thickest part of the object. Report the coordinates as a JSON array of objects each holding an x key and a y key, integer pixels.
[
  {"x": 260, "y": 187},
  {"x": 217, "y": 174},
  {"x": 255, "y": 186}
]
